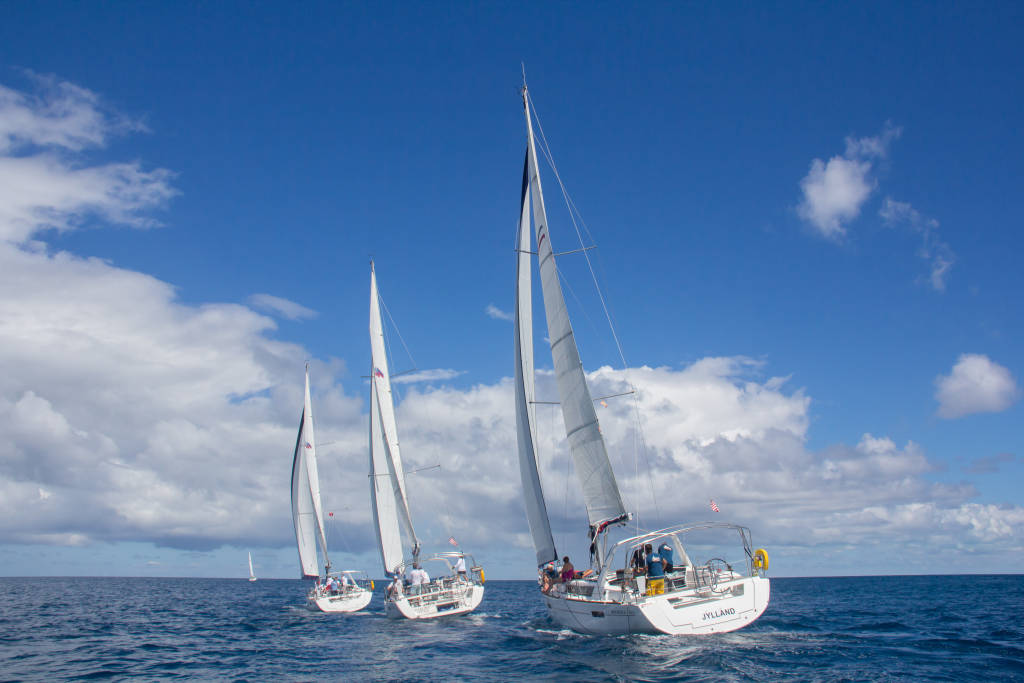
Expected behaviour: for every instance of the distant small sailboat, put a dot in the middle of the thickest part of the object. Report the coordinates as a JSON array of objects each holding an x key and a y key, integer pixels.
[
  {"x": 456, "y": 590},
  {"x": 616, "y": 595},
  {"x": 252, "y": 575},
  {"x": 346, "y": 591}
]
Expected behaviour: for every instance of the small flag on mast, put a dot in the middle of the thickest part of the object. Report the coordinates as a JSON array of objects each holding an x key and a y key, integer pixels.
[
  {"x": 451, "y": 539},
  {"x": 714, "y": 506}
]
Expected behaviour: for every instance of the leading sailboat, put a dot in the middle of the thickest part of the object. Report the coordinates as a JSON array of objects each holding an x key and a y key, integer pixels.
[
  {"x": 453, "y": 590},
  {"x": 616, "y": 595},
  {"x": 346, "y": 591}
]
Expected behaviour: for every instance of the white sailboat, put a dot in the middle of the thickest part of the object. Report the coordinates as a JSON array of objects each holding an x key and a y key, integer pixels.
[
  {"x": 346, "y": 591},
  {"x": 710, "y": 596},
  {"x": 453, "y": 590},
  {"x": 252, "y": 575}
]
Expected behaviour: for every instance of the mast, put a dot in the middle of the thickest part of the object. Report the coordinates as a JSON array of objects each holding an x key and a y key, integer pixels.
[
  {"x": 526, "y": 427},
  {"x": 586, "y": 444}
]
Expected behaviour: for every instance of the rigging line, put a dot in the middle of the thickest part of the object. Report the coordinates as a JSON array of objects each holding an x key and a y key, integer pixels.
[
  {"x": 397, "y": 331},
  {"x": 573, "y": 212}
]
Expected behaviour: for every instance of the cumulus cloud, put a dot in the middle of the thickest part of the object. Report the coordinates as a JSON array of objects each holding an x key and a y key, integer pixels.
[
  {"x": 127, "y": 415},
  {"x": 834, "y": 191},
  {"x": 975, "y": 385},
  {"x": 493, "y": 311},
  {"x": 938, "y": 254},
  {"x": 282, "y": 307}
]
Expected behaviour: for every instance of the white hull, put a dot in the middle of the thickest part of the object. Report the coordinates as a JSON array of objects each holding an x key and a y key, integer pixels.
[
  {"x": 350, "y": 601},
  {"x": 251, "y": 579},
  {"x": 733, "y": 605},
  {"x": 451, "y": 600}
]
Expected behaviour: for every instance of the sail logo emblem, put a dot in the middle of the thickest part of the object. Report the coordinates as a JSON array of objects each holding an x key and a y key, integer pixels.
[
  {"x": 309, "y": 445},
  {"x": 378, "y": 373},
  {"x": 540, "y": 239}
]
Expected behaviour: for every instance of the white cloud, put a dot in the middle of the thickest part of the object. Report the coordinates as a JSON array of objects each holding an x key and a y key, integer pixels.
[
  {"x": 40, "y": 188},
  {"x": 975, "y": 385},
  {"x": 283, "y": 307},
  {"x": 435, "y": 375},
  {"x": 834, "y": 192},
  {"x": 127, "y": 415},
  {"x": 496, "y": 313},
  {"x": 934, "y": 250}
]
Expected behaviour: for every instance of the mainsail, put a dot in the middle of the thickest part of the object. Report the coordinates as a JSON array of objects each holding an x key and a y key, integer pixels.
[
  {"x": 600, "y": 491},
  {"x": 533, "y": 493},
  {"x": 306, "y": 509},
  {"x": 387, "y": 477}
]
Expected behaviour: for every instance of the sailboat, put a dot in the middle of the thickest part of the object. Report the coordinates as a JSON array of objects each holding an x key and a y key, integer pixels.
[
  {"x": 346, "y": 591},
  {"x": 452, "y": 590},
  {"x": 252, "y": 575},
  {"x": 612, "y": 597}
]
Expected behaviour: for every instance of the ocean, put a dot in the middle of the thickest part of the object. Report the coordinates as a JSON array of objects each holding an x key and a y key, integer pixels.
[{"x": 893, "y": 628}]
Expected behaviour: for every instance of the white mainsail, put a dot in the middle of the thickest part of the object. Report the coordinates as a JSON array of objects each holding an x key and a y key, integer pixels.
[
  {"x": 590, "y": 456},
  {"x": 252, "y": 574},
  {"x": 307, "y": 512},
  {"x": 387, "y": 477},
  {"x": 533, "y": 493}
]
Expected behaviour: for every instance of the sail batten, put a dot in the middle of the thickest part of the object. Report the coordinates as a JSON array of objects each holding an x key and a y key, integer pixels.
[{"x": 590, "y": 455}]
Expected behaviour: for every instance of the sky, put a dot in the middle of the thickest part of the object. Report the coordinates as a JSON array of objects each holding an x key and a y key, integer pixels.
[{"x": 807, "y": 229}]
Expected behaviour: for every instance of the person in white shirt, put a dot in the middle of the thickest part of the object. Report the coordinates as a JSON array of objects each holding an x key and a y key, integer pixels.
[
  {"x": 460, "y": 567},
  {"x": 418, "y": 578}
]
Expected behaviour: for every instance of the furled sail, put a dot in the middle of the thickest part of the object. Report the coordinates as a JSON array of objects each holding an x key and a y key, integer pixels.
[
  {"x": 385, "y": 455},
  {"x": 306, "y": 509},
  {"x": 526, "y": 428},
  {"x": 590, "y": 456}
]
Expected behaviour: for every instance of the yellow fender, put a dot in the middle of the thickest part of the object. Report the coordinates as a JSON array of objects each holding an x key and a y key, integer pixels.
[
  {"x": 761, "y": 559},
  {"x": 482, "y": 579},
  {"x": 371, "y": 584}
]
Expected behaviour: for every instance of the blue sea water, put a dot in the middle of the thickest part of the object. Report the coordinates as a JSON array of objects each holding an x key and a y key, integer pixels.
[{"x": 919, "y": 628}]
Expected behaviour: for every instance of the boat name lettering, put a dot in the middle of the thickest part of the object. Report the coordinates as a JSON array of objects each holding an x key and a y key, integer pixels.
[{"x": 719, "y": 613}]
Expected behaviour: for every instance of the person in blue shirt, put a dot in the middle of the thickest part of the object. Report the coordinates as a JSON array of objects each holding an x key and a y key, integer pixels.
[
  {"x": 665, "y": 550},
  {"x": 655, "y": 572}
]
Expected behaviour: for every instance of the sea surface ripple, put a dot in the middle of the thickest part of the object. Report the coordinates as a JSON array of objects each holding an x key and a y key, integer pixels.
[{"x": 918, "y": 628}]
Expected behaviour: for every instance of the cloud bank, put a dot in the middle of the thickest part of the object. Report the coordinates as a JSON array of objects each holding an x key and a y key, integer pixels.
[{"x": 129, "y": 416}]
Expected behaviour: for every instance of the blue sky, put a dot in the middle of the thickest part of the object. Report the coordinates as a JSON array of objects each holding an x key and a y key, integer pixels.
[{"x": 823, "y": 194}]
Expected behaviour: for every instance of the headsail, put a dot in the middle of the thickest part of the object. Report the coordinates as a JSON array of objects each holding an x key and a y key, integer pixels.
[
  {"x": 526, "y": 430},
  {"x": 306, "y": 510},
  {"x": 590, "y": 456},
  {"x": 390, "y": 507},
  {"x": 382, "y": 495}
]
